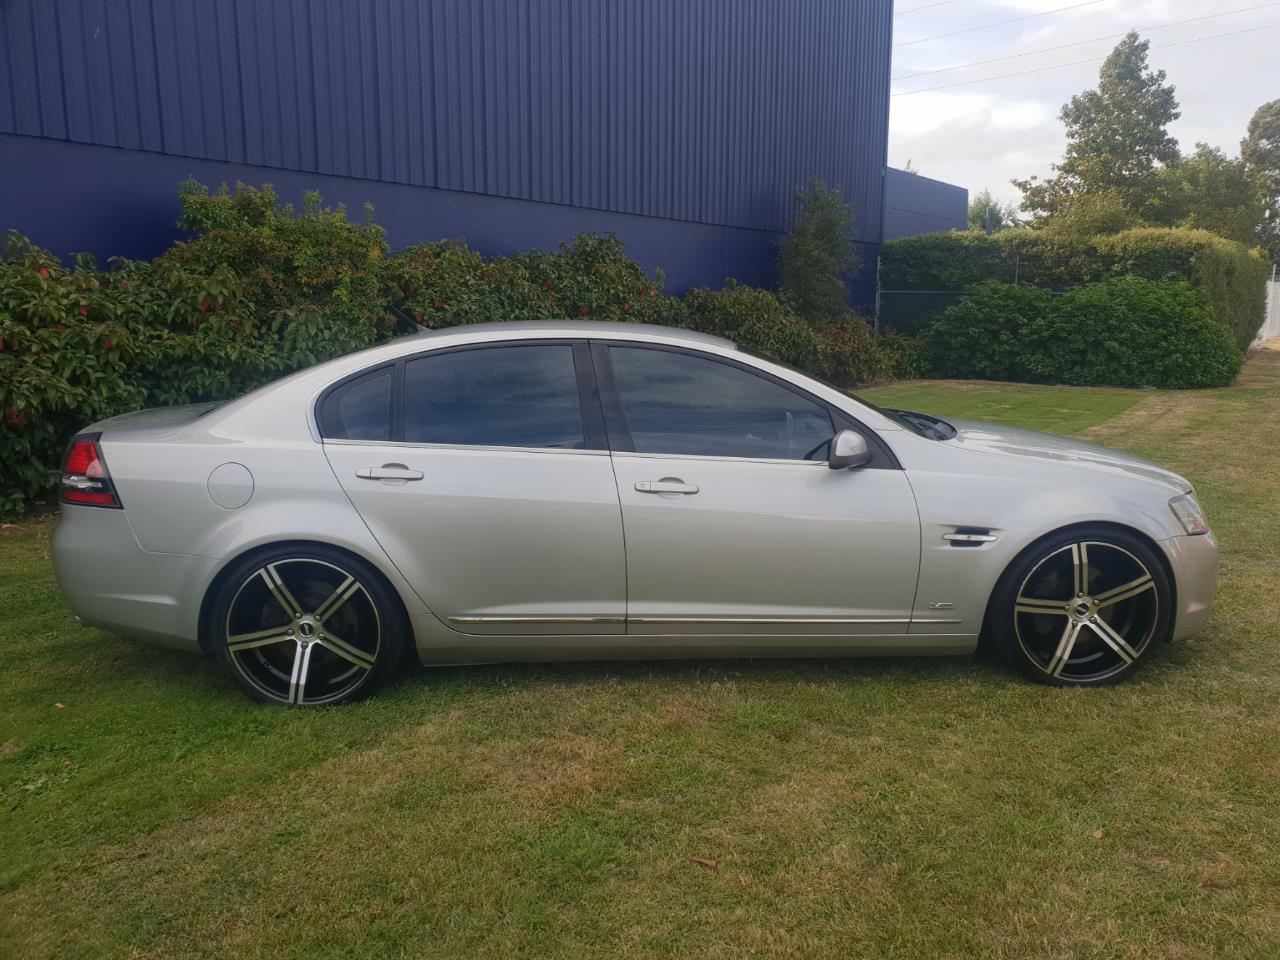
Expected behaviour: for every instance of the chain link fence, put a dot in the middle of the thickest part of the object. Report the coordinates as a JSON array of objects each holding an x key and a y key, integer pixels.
[{"x": 910, "y": 313}]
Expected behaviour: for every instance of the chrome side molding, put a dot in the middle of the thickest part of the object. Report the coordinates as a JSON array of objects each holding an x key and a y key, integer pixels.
[
  {"x": 535, "y": 621},
  {"x": 698, "y": 621}
]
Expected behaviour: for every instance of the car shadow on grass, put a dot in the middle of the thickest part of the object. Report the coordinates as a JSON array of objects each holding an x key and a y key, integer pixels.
[{"x": 202, "y": 677}]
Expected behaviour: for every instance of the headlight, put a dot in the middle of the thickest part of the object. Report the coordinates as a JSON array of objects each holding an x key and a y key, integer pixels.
[{"x": 1188, "y": 512}]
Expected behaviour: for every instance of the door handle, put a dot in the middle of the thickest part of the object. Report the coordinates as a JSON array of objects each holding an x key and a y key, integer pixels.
[
  {"x": 388, "y": 471},
  {"x": 667, "y": 485}
]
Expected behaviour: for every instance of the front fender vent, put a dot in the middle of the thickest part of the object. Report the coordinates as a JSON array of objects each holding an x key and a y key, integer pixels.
[{"x": 970, "y": 536}]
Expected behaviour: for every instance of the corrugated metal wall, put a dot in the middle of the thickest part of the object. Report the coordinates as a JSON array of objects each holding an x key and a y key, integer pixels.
[
  {"x": 914, "y": 204},
  {"x": 710, "y": 111}
]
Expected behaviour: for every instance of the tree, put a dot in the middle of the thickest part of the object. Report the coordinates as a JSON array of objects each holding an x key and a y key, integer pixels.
[
  {"x": 1094, "y": 214},
  {"x": 817, "y": 255},
  {"x": 988, "y": 214},
  {"x": 1117, "y": 137},
  {"x": 1260, "y": 153},
  {"x": 1211, "y": 191}
]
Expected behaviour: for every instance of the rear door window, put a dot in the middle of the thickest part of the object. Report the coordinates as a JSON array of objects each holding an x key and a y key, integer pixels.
[{"x": 517, "y": 396}]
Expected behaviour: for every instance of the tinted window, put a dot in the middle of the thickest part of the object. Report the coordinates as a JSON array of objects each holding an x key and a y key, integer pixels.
[
  {"x": 359, "y": 409},
  {"x": 681, "y": 404},
  {"x": 523, "y": 396}
]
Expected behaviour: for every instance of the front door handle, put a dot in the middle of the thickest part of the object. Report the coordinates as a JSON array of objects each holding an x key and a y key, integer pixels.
[
  {"x": 667, "y": 485},
  {"x": 388, "y": 471}
]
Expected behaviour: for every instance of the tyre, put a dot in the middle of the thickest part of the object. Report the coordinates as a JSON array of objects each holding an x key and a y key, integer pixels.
[
  {"x": 307, "y": 626},
  {"x": 1082, "y": 607}
]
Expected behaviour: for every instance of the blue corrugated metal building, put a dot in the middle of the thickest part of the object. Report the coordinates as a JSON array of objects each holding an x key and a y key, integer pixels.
[
  {"x": 914, "y": 204},
  {"x": 684, "y": 126}
]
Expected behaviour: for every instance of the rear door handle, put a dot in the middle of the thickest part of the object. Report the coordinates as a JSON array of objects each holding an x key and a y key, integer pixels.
[
  {"x": 388, "y": 471},
  {"x": 667, "y": 485}
]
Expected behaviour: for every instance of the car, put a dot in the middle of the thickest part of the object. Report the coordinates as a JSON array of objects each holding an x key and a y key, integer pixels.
[{"x": 568, "y": 491}]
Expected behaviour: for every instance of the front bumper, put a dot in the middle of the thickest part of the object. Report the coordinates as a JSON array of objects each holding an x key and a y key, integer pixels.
[
  {"x": 110, "y": 582},
  {"x": 1195, "y": 572}
]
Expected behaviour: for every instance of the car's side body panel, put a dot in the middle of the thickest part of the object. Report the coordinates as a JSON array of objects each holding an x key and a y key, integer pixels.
[
  {"x": 146, "y": 570},
  {"x": 1016, "y": 497},
  {"x": 109, "y": 581},
  {"x": 767, "y": 546},
  {"x": 498, "y": 540},
  {"x": 179, "y": 538}
]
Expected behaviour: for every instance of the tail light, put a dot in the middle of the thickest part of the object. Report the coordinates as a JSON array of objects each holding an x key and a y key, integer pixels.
[{"x": 85, "y": 478}]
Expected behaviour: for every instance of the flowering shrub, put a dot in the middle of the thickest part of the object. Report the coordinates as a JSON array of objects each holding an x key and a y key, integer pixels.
[
  {"x": 260, "y": 290},
  {"x": 443, "y": 284},
  {"x": 755, "y": 320},
  {"x": 66, "y": 357},
  {"x": 592, "y": 278}
]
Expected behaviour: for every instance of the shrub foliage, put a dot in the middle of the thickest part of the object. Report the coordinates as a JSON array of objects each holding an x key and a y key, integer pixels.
[
  {"x": 1132, "y": 332},
  {"x": 261, "y": 289},
  {"x": 754, "y": 319},
  {"x": 984, "y": 335},
  {"x": 444, "y": 284},
  {"x": 817, "y": 255},
  {"x": 1230, "y": 274},
  {"x": 1121, "y": 332},
  {"x": 67, "y": 355}
]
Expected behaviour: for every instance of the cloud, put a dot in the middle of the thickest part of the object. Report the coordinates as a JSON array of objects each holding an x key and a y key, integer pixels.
[{"x": 983, "y": 134}]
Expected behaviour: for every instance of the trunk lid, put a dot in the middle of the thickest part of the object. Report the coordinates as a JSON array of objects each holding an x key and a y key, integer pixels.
[{"x": 154, "y": 423}]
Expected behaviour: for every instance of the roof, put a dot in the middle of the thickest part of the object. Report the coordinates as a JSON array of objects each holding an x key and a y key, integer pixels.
[{"x": 583, "y": 328}]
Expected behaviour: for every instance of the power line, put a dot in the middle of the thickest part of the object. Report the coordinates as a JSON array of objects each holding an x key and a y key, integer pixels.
[
  {"x": 927, "y": 6},
  {"x": 999, "y": 23},
  {"x": 1079, "y": 43},
  {"x": 1076, "y": 63}
]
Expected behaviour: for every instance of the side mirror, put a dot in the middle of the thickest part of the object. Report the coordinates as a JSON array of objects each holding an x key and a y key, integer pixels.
[{"x": 848, "y": 450}]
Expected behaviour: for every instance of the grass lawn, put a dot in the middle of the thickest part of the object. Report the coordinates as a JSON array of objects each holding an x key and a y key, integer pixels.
[
  {"x": 1066, "y": 410},
  {"x": 850, "y": 808}
]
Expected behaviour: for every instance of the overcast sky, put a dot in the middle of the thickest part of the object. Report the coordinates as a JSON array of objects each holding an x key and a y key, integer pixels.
[{"x": 983, "y": 134}]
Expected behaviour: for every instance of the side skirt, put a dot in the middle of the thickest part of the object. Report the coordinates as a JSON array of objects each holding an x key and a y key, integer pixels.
[{"x": 438, "y": 645}]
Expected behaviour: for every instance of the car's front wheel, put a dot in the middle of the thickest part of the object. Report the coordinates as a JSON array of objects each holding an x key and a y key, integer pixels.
[
  {"x": 1082, "y": 607},
  {"x": 306, "y": 626}
]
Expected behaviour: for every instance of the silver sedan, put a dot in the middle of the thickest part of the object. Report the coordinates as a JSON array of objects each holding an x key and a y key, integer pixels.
[{"x": 559, "y": 491}]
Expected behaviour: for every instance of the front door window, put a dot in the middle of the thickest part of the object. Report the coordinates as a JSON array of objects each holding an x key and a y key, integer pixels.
[{"x": 684, "y": 405}]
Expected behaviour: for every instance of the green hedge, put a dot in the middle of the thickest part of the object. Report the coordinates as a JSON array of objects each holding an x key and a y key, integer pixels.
[
  {"x": 262, "y": 289},
  {"x": 1122, "y": 332},
  {"x": 259, "y": 292},
  {"x": 1230, "y": 274},
  {"x": 444, "y": 284},
  {"x": 754, "y": 319},
  {"x": 984, "y": 335}
]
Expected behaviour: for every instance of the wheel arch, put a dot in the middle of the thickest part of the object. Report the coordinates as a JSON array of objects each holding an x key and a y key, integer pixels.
[
  {"x": 1092, "y": 525},
  {"x": 205, "y": 627}
]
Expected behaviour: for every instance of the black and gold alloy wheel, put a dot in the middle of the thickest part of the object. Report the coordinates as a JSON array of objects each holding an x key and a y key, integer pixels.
[
  {"x": 307, "y": 629},
  {"x": 1083, "y": 610}
]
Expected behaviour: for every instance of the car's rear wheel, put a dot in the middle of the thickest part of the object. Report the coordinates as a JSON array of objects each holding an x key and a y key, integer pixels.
[
  {"x": 307, "y": 626},
  {"x": 1084, "y": 607}
]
